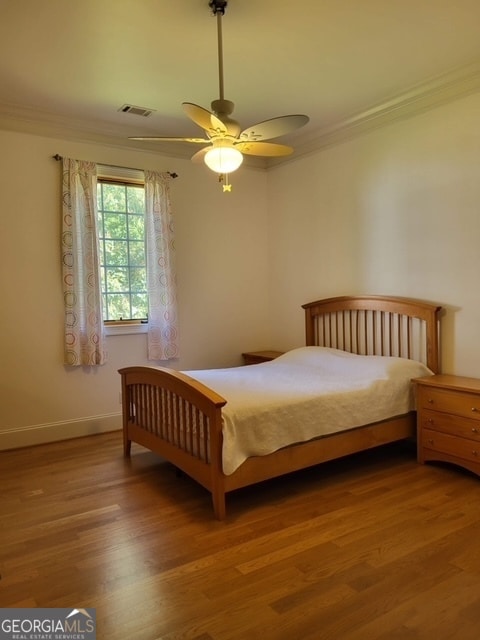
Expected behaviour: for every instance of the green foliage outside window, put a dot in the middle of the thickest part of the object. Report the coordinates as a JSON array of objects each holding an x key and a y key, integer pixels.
[{"x": 121, "y": 208}]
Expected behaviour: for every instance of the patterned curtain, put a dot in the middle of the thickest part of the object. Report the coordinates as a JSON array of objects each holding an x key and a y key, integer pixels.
[
  {"x": 161, "y": 276},
  {"x": 84, "y": 333}
]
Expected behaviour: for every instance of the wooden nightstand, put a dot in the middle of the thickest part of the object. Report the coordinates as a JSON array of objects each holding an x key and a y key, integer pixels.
[
  {"x": 448, "y": 420},
  {"x": 256, "y": 357}
]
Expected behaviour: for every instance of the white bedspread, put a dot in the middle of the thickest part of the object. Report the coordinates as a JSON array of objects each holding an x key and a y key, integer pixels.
[{"x": 306, "y": 393}]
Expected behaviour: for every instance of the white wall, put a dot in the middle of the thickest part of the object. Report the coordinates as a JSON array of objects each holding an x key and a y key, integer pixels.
[
  {"x": 222, "y": 258},
  {"x": 395, "y": 211}
]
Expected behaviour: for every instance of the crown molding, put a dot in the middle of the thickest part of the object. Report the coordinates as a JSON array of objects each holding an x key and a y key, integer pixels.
[
  {"x": 438, "y": 91},
  {"x": 418, "y": 99}
]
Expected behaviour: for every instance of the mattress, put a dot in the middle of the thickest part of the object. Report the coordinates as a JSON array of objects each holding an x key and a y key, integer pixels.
[{"x": 304, "y": 394}]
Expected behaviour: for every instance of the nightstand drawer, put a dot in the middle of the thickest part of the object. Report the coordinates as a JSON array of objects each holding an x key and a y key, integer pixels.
[
  {"x": 452, "y": 402},
  {"x": 447, "y": 423},
  {"x": 458, "y": 447}
]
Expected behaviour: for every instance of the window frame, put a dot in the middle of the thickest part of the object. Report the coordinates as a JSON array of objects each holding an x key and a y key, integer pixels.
[{"x": 123, "y": 177}]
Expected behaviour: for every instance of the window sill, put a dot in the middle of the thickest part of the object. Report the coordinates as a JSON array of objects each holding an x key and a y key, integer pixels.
[{"x": 125, "y": 329}]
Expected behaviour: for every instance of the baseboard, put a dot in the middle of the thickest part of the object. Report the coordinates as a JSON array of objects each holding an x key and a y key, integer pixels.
[{"x": 56, "y": 431}]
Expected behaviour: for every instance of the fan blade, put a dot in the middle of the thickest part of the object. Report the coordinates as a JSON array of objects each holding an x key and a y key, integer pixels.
[
  {"x": 200, "y": 155},
  {"x": 205, "y": 119},
  {"x": 263, "y": 148},
  {"x": 160, "y": 139},
  {"x": 273, "y": 128}
]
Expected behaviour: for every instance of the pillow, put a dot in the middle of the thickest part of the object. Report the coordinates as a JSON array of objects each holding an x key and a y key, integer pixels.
[{"x": 336, "y": 361}]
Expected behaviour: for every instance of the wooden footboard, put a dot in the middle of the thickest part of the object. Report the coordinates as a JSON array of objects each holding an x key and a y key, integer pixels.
[{"x": 180, "y": 419}]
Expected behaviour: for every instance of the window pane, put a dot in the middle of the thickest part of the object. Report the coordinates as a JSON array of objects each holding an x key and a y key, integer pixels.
[
  {"x": 116, "y": 253},
  {"x": 118, "y": 306},
  {"x": 138, "y": 279},
  {"x": 137, "y": 254},
  {"x": 139, "y": 306},
  {"x": 117, "y": 279},
  {"x": 115, "y": 225},
  {"x": 136, "y": 227},
  {"x": 114, "y": 197},
  {"x": 135, "y": 200}
]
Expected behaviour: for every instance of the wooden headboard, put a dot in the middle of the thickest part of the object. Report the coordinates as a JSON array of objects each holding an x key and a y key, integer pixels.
[{"x": 376, "y": 325}]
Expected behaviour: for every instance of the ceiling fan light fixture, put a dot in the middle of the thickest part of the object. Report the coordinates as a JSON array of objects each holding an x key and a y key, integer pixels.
[
  {"x": 223, "y": 159},
  {"x": 226, "y": 141}
]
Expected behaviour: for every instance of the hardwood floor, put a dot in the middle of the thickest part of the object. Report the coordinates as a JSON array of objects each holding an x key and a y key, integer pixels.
[{"x": 371, "y": 547}]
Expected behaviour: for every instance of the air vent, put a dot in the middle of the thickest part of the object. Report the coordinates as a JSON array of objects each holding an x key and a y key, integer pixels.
[{"x": 136, "y": 111}]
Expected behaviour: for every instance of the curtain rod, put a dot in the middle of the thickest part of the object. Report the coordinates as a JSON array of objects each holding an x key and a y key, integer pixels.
[{"x": 58, "y": 157}]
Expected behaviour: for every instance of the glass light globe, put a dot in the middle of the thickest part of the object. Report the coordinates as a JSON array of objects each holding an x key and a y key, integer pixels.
[{"x": 223, "y": 159}]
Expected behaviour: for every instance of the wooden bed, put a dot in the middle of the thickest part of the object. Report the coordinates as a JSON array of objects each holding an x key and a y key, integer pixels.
[{"x": 180, "y": 419}]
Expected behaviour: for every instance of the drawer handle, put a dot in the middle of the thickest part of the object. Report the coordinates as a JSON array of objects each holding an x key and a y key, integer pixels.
[
  {"x": 475, "y": 452},
  {"x": 430, "y": 401},
  {"x": 474, "y": 429},
  {"x": 430, "y": 441},
  {"x": 475, "y": 409},
  {"x": 430, "y": 421}
]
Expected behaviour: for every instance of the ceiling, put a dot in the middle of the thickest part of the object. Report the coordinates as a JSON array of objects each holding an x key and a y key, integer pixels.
[{"x": 73, "y": 64}]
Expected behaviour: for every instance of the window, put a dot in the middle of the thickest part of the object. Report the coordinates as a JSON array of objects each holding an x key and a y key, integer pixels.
[
  {"x": 121, "y": 232},
  {"x": 131, "y": 208}
]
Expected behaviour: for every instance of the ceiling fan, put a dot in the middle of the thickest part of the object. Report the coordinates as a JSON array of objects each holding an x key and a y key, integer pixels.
[{"x": 226, "y": 142}]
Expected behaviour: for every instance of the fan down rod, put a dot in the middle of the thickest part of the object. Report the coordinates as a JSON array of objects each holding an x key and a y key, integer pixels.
[{"x": 218, "y": 9}]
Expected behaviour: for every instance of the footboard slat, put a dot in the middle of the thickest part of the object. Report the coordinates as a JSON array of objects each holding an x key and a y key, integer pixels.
[
  {"x": 156, "y": 412},
  {"x": 162, "y": 414},
  {"x": 205, "y": 439},
  {"x": 191, "y": 419}
]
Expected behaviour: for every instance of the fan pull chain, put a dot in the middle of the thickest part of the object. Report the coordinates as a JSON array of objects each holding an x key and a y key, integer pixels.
[{"x": 227, "y": 187}]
